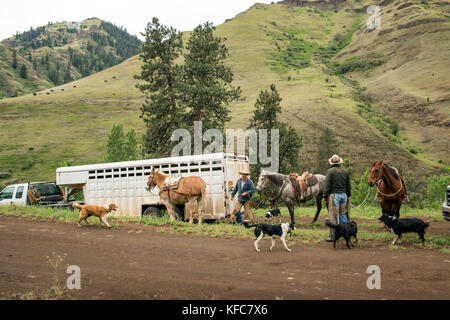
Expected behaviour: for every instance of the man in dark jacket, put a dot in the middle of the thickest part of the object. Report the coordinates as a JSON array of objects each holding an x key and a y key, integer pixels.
[
  {"x": 337, "y": 193},
  {"x": 244, "y": 188}
]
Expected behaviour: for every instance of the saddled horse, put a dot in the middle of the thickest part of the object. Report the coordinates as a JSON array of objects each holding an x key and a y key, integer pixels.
[
  {"x": 391, "y": 188},
  {"x": 286, "y": 190},
  {"x": 187, "y": 190}
]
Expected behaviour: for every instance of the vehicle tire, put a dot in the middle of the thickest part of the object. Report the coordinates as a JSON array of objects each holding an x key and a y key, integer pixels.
[{"x": 153, "y": 212}]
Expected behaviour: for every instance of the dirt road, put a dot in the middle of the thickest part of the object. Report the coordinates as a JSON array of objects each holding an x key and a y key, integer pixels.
[{"x": 136, "y": 262}]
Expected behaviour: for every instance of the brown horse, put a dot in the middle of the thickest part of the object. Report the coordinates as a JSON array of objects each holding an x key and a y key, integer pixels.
[
  {"x": 187, "y": 190},
  {"x": 391, "y": 188}
]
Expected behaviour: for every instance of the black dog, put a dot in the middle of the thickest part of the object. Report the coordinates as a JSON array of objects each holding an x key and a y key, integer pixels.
[
  {"x": 404, "y": 225},
  {"x": 272, "y": 230},
  {"x": 273, "y": 213},
  {"x": 346, "y": 230}
]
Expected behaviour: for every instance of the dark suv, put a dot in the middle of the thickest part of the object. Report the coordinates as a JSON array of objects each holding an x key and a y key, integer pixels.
[{"x": 446, "y": 205}]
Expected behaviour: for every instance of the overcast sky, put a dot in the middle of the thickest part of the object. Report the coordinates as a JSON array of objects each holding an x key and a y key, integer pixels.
[{"x": 20, "y": 15}]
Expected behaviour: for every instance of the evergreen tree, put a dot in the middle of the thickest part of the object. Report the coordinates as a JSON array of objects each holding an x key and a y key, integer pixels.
[
  {"x": 115, "y": 144},
  {"x": 121, "y": 147},
  {"x": 161, "y": 82},
  {"x": 30, "y": 58},
  {"x": 267, "y": 107},
  {"x": 23, "y": 71},
  {"x": 67, "y": 76},
  {"x": 327, "y": 146},
  {"x": 14, "y": 64},
  {"x": 131, "y": 147},
  {"x": 207, "y": 88},
  {"x": 34, "y": 64}
]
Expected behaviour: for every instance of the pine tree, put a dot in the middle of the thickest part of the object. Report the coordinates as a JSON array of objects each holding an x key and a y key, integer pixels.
[
  {"x": 30, "y": 58},
  {"x": 161, "y": 84},
  {"x": 67, "y": 76},
  {"x": 23, "y": 71},
  {"x": 14, "y": 64},
  {"x": 267, "y": 107},
  {"x": 327, "y": 146},
  {"x": 131, "y": 147},
  {"x": 115, "y": 144},
  {"x": 121, "y": 147},
  {"x": 34, "y": 64},
  {"x": 207, "y": 88}
]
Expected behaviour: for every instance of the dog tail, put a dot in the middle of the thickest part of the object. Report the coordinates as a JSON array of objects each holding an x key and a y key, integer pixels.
[
  {"x": 248, "y": 225},
  {"x": 77, "y": 205},
  {"x": 330, "y": 225}
]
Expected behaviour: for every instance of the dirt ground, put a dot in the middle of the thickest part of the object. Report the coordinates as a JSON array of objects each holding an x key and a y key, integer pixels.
[{"x": 136, "y": 262}]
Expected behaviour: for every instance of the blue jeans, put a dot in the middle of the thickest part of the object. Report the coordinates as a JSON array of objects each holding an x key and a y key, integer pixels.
[
  {"x": 340, "y": 199},
  {"x": 239, "y": 217}
]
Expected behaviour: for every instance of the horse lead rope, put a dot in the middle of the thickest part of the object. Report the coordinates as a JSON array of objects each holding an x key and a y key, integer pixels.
[
  {"x": 364, "y": 201},
  {"x": 390, "y": 195}
]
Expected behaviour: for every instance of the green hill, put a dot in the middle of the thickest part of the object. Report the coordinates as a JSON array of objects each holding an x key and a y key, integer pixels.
[
  {"x": 59, "y": 53},
  {"x": 382, "y": 92}
]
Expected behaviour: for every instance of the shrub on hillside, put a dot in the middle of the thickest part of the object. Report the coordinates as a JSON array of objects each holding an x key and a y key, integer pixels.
[{"x": 436, "y": 186}]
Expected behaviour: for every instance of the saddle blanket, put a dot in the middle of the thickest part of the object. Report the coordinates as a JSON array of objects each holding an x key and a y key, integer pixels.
[{"x": 171, "y": 183}]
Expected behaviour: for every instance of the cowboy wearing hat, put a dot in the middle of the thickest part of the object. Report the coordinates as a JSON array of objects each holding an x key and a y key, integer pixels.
[
  {"x": 244, "y": 188},
  {"x": 337, "y": 193}
]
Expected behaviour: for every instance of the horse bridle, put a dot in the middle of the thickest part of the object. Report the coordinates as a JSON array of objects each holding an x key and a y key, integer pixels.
[
  {"x": 387, "y": 195},
  {"x": 152, "y": 182}
]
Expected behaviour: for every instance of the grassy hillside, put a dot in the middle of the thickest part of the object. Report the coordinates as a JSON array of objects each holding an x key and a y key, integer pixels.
[
  {"x": 312, "y": 54},
  {"x": 56, "y": 54}
]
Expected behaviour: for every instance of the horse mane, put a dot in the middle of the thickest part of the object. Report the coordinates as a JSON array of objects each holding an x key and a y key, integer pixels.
[
  {"x": 278, "y": 176},
  {"x": 392, "y": 171}
]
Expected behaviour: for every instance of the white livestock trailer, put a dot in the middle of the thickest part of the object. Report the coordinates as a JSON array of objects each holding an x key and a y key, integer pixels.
[{"x": 124, "y": 183}]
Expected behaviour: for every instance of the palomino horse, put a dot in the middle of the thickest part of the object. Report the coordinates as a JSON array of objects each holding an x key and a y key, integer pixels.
[
  {"x": 287, "y": 193},
  {"x": 189, "y": 190},
  {"x": 391, "y": 188}
]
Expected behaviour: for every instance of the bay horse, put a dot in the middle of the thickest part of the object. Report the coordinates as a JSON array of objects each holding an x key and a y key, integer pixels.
[
  {"x": 189, "y": 190},
  {"x": 287, "y": 193},
  {"x": 391, "y": 188}
]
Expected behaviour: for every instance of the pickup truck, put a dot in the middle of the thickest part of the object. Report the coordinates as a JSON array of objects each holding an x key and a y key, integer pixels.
[
  {"x": 446, "y": 205},
  {"x": 37, "y": 193}
]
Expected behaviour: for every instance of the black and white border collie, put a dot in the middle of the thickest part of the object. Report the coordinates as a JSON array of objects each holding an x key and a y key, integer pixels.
[
  {"x": 273, "y": 213},
  {"x": 405, "y": 225},
  {"x": 272, "y": 230}
]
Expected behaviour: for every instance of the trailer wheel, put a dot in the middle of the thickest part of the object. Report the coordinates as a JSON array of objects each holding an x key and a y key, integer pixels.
[{"x": 153, "y": 212}]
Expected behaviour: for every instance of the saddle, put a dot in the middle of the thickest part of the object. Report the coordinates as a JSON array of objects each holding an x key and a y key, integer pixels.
[
  {"x": 302, "y": 183},
  {"x": 171, "y": 183}
]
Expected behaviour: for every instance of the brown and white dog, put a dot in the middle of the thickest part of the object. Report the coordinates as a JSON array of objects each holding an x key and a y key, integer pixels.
[{"x": 94, "y": 210}]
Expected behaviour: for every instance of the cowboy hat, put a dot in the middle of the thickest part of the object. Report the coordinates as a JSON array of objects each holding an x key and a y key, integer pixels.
[
  {"x": 335, "y": 159},
  {"x": 244, "y": 172}
]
